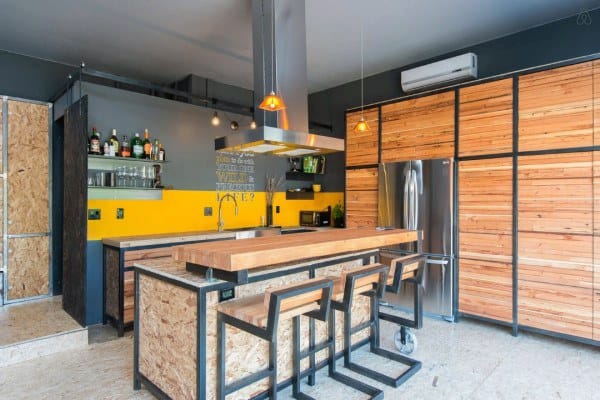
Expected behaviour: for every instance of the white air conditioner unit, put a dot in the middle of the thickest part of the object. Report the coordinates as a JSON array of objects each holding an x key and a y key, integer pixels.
[{"x": 440, "y": 73}]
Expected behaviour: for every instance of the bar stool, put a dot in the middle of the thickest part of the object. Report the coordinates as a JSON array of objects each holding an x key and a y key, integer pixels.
[
  {"x": 260, "y": 315},
  {"x": 370, "y": 281},
  {"x": 409, "y": 269}
]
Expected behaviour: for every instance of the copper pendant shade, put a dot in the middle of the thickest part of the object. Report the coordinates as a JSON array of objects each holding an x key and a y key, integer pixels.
[
  {"x": 361, "y": 126},
  {"x": 272, "y": 102}
]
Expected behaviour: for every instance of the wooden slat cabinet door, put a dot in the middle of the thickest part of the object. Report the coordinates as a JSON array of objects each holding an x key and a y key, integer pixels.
[
  {"x": 596, "y": 201},
  {"x": 486, "y": 118},
  {"x": 361, "y": 197},
  {"x": 362, "y": 148},
  {"x": 485, "y": 238},
  {"x": 418, "y": 129},
  {"x": 556, "y": 243},
  {"x": 555, "y": 108}
]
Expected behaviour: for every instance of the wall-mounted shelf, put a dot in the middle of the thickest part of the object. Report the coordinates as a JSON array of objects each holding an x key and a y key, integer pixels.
[
  {"x": 299, "y": 195},
  {"x": 123, "y": 193},
  {"x": 110, "y": 163}
]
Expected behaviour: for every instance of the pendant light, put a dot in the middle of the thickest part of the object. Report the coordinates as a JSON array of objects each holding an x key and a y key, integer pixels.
[
  {"x": 362, "y": 125},
  {"x": 272, "y": 102},
  {"x": 215, "y": 121}
]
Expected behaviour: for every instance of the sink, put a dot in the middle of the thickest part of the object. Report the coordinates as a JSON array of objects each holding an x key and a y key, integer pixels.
[{"x": 251, "y": 232}]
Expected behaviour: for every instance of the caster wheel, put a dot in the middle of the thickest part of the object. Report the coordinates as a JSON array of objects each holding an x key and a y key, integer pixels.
[{"x": 408, "y": 345}]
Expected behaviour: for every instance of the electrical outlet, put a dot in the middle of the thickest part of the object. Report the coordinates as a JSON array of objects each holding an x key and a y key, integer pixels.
[
  {"x": 94, "y": 213},
  {"x": 120, "y": 213},
  {"x": 276, "y": 209},
  {"x": 208, "y": 211}
]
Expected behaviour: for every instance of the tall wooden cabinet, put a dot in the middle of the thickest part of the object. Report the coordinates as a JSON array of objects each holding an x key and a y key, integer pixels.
[
  {"x": 25, "y": 199},
  {"x": 362, "y": 156},
  {"x": 528, "y": 191},
  {"x": 485, "y": 238},
  {"x": 418, "y": 129}
]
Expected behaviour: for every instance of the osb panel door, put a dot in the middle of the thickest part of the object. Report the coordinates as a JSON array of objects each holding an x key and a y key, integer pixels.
[
  {"x": 362, "y": 148},
  {"x": 555, "y": 108},
  {"x": 556, "y": 243},
  {"x": 418, "y": 129},
  {"x": 486, "y": 118},
  {"x": 361, "y": 197},
  {"x": 28, "y": 267},
  {"x": 27, "y": 197},
  {"x": 485, "y": 238}
]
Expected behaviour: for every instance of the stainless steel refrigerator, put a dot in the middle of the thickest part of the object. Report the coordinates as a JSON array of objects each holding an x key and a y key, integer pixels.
[{"x": 419, "y": 195}]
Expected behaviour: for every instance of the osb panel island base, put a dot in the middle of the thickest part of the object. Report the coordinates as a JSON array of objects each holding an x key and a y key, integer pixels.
[{"x": 175, "y": 316}]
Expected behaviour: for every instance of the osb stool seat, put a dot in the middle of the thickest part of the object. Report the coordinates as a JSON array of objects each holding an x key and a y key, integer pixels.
[
  {"x": 370, "y": 280},
  {"x": 260, "y": 315}
]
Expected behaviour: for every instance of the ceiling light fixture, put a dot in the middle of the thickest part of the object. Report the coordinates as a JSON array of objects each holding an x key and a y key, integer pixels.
[
  {"x": 234, "y": 125},
  {"x": 272, "y": 102},
  {"x": 215, "y": 121},
  {"x": 362, "y": 125},
  {"x": 253, "y": 124}
]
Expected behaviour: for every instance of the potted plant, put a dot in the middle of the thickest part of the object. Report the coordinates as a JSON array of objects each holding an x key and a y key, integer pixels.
[{"x": 338, "y": 215}]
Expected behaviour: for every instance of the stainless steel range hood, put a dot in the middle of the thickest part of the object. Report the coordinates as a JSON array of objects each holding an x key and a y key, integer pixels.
[{"x": 283, "y": 133}]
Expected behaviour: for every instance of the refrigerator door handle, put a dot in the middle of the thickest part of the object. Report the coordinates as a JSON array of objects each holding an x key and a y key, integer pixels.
[
  {"x": 415, "y": 209},
  {"x": 405, "y": 205},
  {"x": 411, "y": 198}
]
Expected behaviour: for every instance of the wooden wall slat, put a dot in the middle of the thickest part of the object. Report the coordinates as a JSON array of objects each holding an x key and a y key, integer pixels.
[
  {"x": 556, "y": 308},
  {"x": 362, "y": 148},
  {"x": 362, "y": 179},
  {"x": 485, "y": 238},
  {"x": 555, "y": 108},
  {"x": 485, "y": 118},
  {"x": 361, "y": 208},
  {"x": 421, "y": 128}
]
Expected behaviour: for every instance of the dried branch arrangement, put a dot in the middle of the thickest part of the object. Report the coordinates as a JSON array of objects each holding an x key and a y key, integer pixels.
[{"x": 272, "y": 184}]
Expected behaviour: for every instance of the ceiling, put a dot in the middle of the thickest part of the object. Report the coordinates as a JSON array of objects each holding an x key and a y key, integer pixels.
[{"x": 163, "y": 41}]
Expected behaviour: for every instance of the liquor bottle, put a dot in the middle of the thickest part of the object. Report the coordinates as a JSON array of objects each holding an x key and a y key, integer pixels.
[
  {"x": 125, "y": 149},
  {"x": 155, "y": 150},
  {"x": 147, "y": 145},
  {"x": 107, "y": 149},
  {"x": 137, "y": 147},
  {"x": 162, "y": 154},
  {"x": 95, "y": 142},
  {"x": 114, "y": 142}
]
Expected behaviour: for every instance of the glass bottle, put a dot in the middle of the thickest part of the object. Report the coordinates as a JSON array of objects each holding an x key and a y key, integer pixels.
[
  {"x": 125, "y": 149},
  {"x": 95, "y": 142},
  {"x": 162, "y": 154},
  {"x": 137, "y": 147},
  {"x": 147, "y": 145},
  {"x": 155, "y": 149},
  {"x": 114, "y": 142}
]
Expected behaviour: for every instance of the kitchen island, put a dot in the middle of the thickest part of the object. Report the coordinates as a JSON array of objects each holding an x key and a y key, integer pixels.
[{"x": 175, "y": 316}]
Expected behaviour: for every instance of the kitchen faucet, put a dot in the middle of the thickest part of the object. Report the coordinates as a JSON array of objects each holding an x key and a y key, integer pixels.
[{"x": 221, "y": 223}]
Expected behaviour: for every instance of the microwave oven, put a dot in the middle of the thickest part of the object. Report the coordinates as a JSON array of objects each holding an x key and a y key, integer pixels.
[{"x": 315, "y": 218}]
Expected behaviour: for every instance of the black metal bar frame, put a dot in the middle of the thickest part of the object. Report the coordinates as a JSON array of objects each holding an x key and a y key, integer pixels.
[
  {"x": 346, "y": 307},
  {"x": 417, "y": 282}
]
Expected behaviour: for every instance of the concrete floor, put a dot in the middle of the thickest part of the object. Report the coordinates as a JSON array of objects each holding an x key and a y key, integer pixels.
[{"x": 467, "y": 360}]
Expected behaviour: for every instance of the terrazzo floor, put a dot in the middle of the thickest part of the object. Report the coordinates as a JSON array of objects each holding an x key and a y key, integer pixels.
[
  {"x": 467, "y": 360},
  {"x": 33, "y": 319}
]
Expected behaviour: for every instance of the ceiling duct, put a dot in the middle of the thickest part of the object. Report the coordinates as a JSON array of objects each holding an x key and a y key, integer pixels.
[{"x": 282, "y": 60}]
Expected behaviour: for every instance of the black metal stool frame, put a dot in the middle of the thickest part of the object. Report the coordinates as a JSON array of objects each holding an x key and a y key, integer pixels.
[
  {"x": 417, "y": 282},
  {"x": 346, "y": 307},
  {"x": 269, "y": 333}
]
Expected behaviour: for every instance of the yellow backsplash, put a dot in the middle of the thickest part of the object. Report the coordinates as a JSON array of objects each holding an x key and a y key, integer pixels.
[{"x": 183, "y": 210}]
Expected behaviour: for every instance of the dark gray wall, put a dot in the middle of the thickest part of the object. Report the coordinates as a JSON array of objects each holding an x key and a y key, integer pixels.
[
  {"x": 557, "y": 41},
  {"x": 31, "y": 78},
  {"x": 185, "y": 131}
]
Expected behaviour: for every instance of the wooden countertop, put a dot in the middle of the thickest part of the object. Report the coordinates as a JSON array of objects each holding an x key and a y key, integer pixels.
[
  {"x": 260, "y": 252},
  {"x": 166, "y": 238}
]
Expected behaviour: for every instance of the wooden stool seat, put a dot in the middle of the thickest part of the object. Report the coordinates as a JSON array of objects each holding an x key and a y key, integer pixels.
[
  {"x": 361, "y": 285},
  {"x": 253, "y": 310},
  {"x": 408, "y": 271}
]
